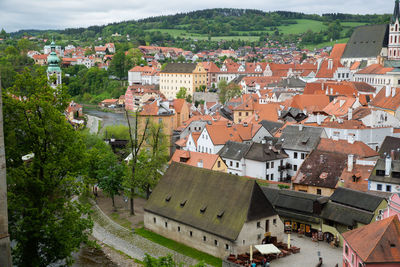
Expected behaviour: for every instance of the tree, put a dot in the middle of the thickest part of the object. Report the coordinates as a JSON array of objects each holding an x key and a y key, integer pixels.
[
  {"x": 118, "y": 65},
  {"x": 45, "y": 223},
  {"x": 3, "y": 34},
  {"x": 228, "y": 91},
  {"x": 152, "y": 161},
  {"x": 182, "y": 93},
  {"x": 136, "y": 143},
  {"x": 5, "y": 248}
]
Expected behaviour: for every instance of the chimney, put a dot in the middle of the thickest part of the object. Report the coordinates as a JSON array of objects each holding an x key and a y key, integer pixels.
[
  {"x": 330, "y": 64},
  {"x": 319, "y": 119},
  {"x": 388, "y": 165},
  {"x": 350, "y": 163},
  {"x": 301, "y": 126},
  {"x": 200, "y": 163},
  {"x": 335, "y": 100},
  {"x": 245, "y": 124},
  {"x": 393, "y": 155},
  {"x": 342, "y": 102},
  {"x": 350, "y": 139},
  {"x": 323, "y": 85},
  {"x": 229, "y": 124},
  {"x": 393, "y": 91},
  {"x": 350, "y": 114},
  {"x": 387, "y": 92},
  {"x": 331, "y": 91}
]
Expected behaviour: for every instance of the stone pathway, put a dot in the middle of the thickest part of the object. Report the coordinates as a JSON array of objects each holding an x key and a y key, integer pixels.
[
  {"x": 93, "y": 124},
  {"x": 122, "y": 239}
]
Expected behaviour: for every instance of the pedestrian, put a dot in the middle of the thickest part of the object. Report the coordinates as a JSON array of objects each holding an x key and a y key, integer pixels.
[{"x": 253, "y": 265}]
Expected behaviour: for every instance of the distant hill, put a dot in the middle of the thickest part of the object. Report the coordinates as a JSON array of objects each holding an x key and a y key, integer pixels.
[{"x": 217, "y": 24}]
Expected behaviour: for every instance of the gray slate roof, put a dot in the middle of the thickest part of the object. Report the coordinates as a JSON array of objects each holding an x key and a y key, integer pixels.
[
  {"x": 263, "y": 153},
  {"x": 271, "y": 126},
  {"x": 234, "y": 150},
  {"x": 345, "y": 215},
  {"x": 305, "y": 140},
  {"x": 356, "y": 199},
  {"x": 179, "y": 68},
  {"x": 367, "y": 41},
  {"x": 227, "y": 201},
  {"x": 380, "y": 165}
]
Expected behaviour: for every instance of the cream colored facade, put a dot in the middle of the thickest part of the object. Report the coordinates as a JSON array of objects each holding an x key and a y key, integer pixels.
[
  {"x": 323, "y": 191},
  {"x": 220, "y": 166},
  {"x": 251, "y": 234},
  {"x": 171, "y": 83}
]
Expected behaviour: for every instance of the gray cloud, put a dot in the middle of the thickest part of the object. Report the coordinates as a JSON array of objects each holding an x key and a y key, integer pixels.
[{"x": 46, "y": 14}]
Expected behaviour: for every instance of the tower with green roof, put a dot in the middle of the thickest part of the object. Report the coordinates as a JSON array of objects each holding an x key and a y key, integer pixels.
[{"x": 53, "y": 66}]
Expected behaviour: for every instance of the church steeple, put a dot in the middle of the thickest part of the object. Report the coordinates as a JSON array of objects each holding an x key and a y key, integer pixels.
[
  {"x": 396, "y": 12},
  {"x": 53, "y": 65}
]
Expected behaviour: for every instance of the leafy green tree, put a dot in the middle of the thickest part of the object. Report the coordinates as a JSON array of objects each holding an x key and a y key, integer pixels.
[
  {"x": 135, "y": 58},
  {"x": 116, "y": 131},
  {"x": 182, "y": 93},
  {"x": 118, "y": 65},
  {"x": 24, "y": 45},
  {"x": 222, "y": 89},
  {"x": 3, "y": 34},
  {"x": 45, "y": 223},
  {"x": 153, "y": 160},
  {"x": 228, "y": 91}
]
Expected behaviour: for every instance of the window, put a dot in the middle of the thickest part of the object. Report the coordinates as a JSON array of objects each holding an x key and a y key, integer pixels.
[
  {"x": 244, "y": 242},
  {"x": 272, "y": 165},
  {"x": 219, "y": 164},
  {"x": 247, "y": 114},
  {"x": 216, "y": 242},
  {"x": 259, "y": 237},
  {"x": 267, "y": 165},
  {"x": 166, "y": 225},
  {"x": 319, "y": 192},
  {"x": 231, "y": 163},
  {"x": 295, "y": 168},
  {"x": 154, "y": 220},
  {"x": 191, "y": 233},
  {"x": 267, "y": 178},
  {"x": 379, "y": 187},
  {"x": 295, "y": 155},
  {"x": 240, "y": 113},
  {"x": 352, "y": 258},
  {"x": 274, "y": 221},
  {"x": 179, "y": 229},
  {"x": 204, "y": 238},
  {"x": 226, "y": 246},
  {"x": 258, "y": 224},
  {"x": 267, "y": 226},
  {"x": 346, "y": 250},
  {"x": 388, "y": 188},
  {"x": 303, "y": 155},
  {"x": 237, "y": 164},
  {"x": 272, "y": 176}
]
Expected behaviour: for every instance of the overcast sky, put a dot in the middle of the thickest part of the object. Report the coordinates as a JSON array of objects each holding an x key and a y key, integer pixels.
[{"x": 46, "y": 14}]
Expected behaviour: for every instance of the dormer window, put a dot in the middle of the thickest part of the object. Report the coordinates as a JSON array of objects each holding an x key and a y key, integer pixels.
[
  {"x": 168, "y": 198},
  {"x": 203, "y": 209},
  {"x": 220, "y": 214},
  {"x": 183, "y": 203}
]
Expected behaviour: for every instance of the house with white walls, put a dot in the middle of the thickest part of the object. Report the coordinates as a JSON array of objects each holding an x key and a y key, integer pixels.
[{"x": 233, "y": 155}]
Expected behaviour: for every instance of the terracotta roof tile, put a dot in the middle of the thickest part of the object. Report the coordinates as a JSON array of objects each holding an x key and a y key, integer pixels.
[
  {"x": 360, "y": 149},
  {"x": 193, "y": 158},
  {"x": 375, "y": 69},
  {"x": 391, "y": 103},
  {"x": 378, "y": 242}
]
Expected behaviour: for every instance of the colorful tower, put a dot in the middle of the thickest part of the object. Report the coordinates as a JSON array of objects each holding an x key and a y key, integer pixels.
[
  {"x": 53, "y": 66},
  {"x": 394, "y": 34}
]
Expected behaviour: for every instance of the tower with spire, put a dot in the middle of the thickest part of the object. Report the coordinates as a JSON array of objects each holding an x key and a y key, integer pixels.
[
  {"x": 394, "y": 34},
  {"x": 53, "y": 66}
]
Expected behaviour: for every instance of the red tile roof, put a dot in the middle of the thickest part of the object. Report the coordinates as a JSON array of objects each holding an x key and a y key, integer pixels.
[
  {"x": 340, "y": 106},
  {"x": 375, "y": 69},
  {"x": 178, "y": 104},
  {"x": 359, "y": 149},
  {"x": 193, "y": 158},
  {"x": 337, "y": 51},
  {"x": 391, "y": 103},
  {"x": 378, "y": 242},
  {"x": 311, "y": 103}
]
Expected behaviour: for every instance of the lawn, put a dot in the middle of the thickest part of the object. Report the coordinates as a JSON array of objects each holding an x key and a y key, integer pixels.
[
  {"x": 302, "y": 25},
  {"x": 181, "y": 248},
  {"x": 322, "y": 45}
]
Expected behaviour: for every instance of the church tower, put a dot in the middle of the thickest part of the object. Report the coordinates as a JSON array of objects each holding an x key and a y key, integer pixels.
[
  {"x": 394, "y": 34},
  {"x": 53, "y": 66}
]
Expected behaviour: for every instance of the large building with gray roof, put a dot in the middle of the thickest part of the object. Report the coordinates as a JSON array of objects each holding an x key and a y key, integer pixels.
[{"x": 218, "y": 213}]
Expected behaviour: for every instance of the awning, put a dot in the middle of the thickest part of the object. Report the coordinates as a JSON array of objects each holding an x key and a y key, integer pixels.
[{"x": 267, "y": 249}]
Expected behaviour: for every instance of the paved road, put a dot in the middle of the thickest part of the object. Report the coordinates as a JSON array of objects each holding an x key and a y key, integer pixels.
[
  {"x": 120, "y": 238},
  {"x": 308, "y": 256}
]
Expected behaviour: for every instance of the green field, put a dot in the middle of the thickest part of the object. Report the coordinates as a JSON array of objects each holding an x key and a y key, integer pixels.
[
  {"x": 301, "y": 26},
  {"x": 321, "y": 45}
]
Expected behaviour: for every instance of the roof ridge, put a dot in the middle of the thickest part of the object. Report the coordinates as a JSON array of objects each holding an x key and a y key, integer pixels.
[{"x": 390, "y": 219}]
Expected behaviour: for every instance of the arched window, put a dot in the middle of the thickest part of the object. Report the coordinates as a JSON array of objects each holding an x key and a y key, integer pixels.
[
  {"x": 390, "y": 52},
  {"x": 391, "y": 39},
  {"x": 395, "y": 39},
  {"x": 394, "y": 53},
  {"x": 397, "y": 27}
]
